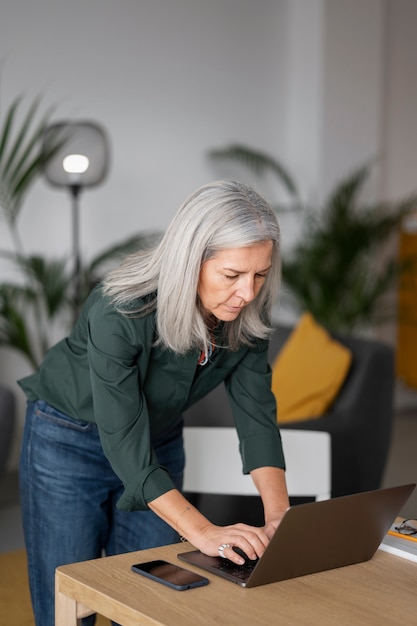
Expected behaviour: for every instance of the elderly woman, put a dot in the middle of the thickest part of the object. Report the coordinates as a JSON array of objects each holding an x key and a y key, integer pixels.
[{"x": 102, "y": 457}]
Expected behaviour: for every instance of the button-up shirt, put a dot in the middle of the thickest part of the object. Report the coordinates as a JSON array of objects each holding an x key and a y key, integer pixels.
[{"x": 110, "y": 372}]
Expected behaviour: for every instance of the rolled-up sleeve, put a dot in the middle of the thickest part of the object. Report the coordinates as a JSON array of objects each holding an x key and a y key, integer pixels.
[
  {"x": 254, "y": 410},
  {"x": 116, "y": 355}
]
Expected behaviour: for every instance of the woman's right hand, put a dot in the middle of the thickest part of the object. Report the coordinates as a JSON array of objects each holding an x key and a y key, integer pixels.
[
  {"x": 207, "y": 537},
  {"x": 250, "y": 539}
]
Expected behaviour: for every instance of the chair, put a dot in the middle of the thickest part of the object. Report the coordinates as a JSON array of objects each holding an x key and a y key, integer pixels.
[
  {"x": 214, "y": 468},
  {"x": 359, "y": 421}
]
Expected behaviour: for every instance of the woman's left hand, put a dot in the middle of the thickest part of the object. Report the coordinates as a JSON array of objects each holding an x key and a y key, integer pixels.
[
  {"x": 270, "y": 482},
  {"x": 274, "y": 520}
]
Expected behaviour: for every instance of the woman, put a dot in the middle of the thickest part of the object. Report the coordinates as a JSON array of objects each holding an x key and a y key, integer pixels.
[{"x": 102, "y": 455}]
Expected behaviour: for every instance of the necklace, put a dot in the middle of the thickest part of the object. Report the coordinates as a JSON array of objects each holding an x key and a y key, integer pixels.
[
  {"x": 205, "y": 356},
  {"x": 212, "y": 324}
]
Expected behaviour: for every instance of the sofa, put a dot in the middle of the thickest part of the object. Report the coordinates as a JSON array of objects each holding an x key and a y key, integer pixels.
[{"x": 359, "y": 420}]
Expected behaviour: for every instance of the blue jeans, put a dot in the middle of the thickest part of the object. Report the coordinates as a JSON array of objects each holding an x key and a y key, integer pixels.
[{"x": 68, "y": 496}]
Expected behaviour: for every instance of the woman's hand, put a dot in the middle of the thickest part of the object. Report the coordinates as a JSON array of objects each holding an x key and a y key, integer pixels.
[
  {"x": 273, "y": 521},
  {"x": 270, "y": 482},
  {"x": 207, "y": 537},
  {"x": 250, "y": 539}
]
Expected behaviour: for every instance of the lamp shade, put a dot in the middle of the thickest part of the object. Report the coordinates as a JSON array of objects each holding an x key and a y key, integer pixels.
[{"x": 80, "y": 154}]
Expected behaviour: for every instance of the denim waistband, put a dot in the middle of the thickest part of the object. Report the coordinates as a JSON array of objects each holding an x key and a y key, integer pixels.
[{"x": 172, "y": 431}]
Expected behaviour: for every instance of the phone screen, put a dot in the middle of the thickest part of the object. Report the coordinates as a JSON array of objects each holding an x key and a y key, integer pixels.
[{"x": 170, "y": 574}]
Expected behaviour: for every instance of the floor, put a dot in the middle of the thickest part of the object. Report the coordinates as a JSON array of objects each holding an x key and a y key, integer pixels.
[
  {"x": 11, "y": 533},
  {"x": 401, "y": 468}
]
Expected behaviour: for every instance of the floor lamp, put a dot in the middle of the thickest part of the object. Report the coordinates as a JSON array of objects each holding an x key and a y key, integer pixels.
[{"x": 76, "y": 158}]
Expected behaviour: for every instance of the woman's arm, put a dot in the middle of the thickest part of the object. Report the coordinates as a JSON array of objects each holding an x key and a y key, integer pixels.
[
  {"x": 271, "y": 484},
  {"x": 174, "y": 509}
]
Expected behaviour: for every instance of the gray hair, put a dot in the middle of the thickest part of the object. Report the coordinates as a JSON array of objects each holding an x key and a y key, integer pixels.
[{"x": 217, "y": 216}]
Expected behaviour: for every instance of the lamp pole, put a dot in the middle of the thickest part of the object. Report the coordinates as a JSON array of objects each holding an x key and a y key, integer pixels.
[
  {"x": 75, "y": 166},
  {"x": 75, "y": 193}
]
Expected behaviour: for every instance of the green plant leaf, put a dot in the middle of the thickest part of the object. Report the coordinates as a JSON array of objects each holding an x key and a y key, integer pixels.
[
  {"x": 14, "y": 331},
  {"x": 106, "y": 259},
  {"x": 6, "y": 129},
  {"x": 332, "y": 271},
  {"x": 20, "y": 138},
  {"x": 258, "y": 162},
  {"x": 51, "y": 281},
  {"x": 21, "y": 157}
]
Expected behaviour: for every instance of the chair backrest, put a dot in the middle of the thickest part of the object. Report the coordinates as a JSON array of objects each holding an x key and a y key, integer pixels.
[{"x": 213, "y": 463}]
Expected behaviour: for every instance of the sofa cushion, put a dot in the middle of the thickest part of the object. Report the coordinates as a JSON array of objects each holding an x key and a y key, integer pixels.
[{"x": 308, "y": 372}]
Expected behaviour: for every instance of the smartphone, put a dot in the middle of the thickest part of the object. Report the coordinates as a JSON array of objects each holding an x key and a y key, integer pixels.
[{"x": 171, "y": 575}]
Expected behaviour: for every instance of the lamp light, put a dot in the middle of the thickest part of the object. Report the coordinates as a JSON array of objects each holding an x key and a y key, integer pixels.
[
  {"x": 75, "y": 165},
  {"x": 76, "y": 156}
]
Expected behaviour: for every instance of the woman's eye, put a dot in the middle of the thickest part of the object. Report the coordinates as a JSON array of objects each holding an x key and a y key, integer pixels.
[{"x": 230, "y": 277}]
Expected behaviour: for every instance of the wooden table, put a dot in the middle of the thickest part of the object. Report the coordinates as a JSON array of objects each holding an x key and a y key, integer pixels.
[{"x": 379, "y": 592}]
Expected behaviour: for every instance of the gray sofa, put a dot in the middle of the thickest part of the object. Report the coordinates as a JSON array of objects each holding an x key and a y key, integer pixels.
[{"x": 359, "y": 421}]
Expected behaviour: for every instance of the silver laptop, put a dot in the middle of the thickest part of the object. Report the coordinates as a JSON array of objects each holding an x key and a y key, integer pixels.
[{"x": 315, "y": 537}]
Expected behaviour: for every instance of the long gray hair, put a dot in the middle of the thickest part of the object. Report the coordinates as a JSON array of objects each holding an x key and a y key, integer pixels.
[{"x": 217, "y": 216}]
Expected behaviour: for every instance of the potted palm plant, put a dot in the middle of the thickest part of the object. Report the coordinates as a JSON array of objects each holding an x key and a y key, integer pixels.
[{"x": 336, "y": 269}]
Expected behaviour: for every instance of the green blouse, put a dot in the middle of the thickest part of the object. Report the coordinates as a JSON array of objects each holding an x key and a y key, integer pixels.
[{"x": 109, "y": 372}]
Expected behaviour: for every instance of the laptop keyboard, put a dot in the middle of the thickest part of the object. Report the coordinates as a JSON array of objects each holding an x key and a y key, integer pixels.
[{"x": 239, "y": 571}]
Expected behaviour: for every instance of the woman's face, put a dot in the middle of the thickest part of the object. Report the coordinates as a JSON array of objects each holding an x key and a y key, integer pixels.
[{"x": 232, "y": 279}]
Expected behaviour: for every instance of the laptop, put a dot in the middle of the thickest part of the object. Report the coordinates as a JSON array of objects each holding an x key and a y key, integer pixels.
[{"x": 314, "y": 537}]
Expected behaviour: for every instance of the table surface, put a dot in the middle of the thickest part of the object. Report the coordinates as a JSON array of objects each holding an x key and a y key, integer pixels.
[{"x": 379, "y": 591}]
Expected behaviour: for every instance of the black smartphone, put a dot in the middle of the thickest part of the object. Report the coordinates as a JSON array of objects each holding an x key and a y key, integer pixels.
[{"x": 171, "y": 575}]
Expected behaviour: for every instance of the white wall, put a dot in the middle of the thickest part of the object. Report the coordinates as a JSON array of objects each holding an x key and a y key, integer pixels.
[
  {"x": 167, "y": 78},
  {"x": 400, "y": 101},
  {"x": 354, "y": 73},
  {"x": 321, "y": 84}
]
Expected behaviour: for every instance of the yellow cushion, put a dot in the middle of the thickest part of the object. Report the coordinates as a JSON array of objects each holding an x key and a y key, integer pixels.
[{"x": 308, "y": 372}]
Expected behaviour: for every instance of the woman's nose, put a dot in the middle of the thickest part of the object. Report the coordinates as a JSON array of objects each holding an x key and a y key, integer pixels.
[{"x": 246, "y": 290}]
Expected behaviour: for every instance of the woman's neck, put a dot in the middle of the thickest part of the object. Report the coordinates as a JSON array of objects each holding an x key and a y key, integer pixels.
[{"x": 211, "y": 322}]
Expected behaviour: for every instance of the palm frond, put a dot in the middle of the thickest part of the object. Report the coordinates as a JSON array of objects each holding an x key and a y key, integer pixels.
[
  {"x": 12, "y": 155},
  {"x": 139, "y": 241},
  {"x": 331, "y": 271},
  {"x": 343, "y": 199},
  {"x": 6, "y": 129},
  {"x": 14, "y": 328},
  {"x": 257, "y": 161},
  {"x": 51, "y": 280},
  {"x": 21, "y": 158}
]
